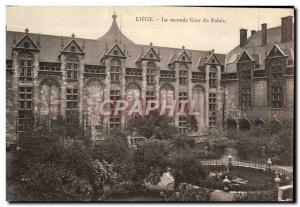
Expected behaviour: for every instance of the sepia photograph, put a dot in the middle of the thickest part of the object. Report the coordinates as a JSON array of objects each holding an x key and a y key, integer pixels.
[{"x": 150, "y": 104}]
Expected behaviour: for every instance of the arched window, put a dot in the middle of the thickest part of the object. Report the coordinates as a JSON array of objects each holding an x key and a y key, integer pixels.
[
  {"x": 115, "y": 70},
  {"x": 150, "y": 73},
  {"x": 26, "y": 66},
  {"x": 244, "y": 125},
  {"x": 72, "y": 67},
  {"x": 167, "y": 93},
  {"x": 231, "y": 124},
  {"x": 183, "y": 74},
  {"x": 94, "y": 93},
  {"x": 133, "y": 93},
  {"x": 198, "y": 96},
  {"x": 213, "y": 76},
  {"x": 49, "y": 98}
]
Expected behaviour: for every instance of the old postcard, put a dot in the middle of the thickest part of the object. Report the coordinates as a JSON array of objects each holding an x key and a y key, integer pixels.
[{"x": 150, "y": 104}]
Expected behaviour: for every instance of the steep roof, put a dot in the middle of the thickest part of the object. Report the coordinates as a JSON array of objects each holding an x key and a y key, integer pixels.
[
  {"x": 114, "y": 34},
  {"x": 253, "y": 47},
  {"x": 51, "y": 46}
]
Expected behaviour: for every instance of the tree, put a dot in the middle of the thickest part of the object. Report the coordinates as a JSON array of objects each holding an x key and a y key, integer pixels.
[
  {"x": 278, "y": 144},
  {"x": 47, "y": 160},
  {"x": 186, "y": 166},
  {"x": 151, "y": 155},
  {"x": 154, "y": 125},
  {"x": 225, "y": 95},
  {"x": 182, "y": 141},
  {"x": 103, "y": 173},
  {"x": 217, "y": 139},
  {"x": 114, "y": 149}
]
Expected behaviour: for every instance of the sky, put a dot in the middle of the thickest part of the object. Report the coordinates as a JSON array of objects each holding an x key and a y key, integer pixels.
[{"x": 93, "y": 22}]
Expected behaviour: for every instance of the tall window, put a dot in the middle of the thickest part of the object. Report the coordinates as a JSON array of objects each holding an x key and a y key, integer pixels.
[
  {"x": 133, "y": 93},
  {"x": 277, "y": 97},
  {"x": 183, "y": 74},
  {"x": 115, "y": 70},
  {"x": 277, "y": 70},
  {"x": 9, "y": 64},
  {"x": 182, "y": 98},
  {"x": 115, "y": 122},
  {"x": 212, "y": 101},
  {"x": 72, "y": 67},
  {"x": 212, "y": 119},
  {"x": 115, "y": 95},
  {"x": 25, "y": 108},
  {"x": 167, "y": 93},
  {"x": 150, "y": 73},
  {"x": 246, "y": 73},
  {"x": 25, "y": 98},
  {"x": 183, "y": 126},
  {"x": 213, "y": 76},
  {"x": 26, "y": 66},
  {"x": 150, "y": 95},
  {"x": 246, "y": 97},
  {"x": 72, "y": 98}
]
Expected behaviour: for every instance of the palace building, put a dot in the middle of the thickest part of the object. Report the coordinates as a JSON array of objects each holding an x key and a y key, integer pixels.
[
  {"x": 258, "y": 80},
  {"x": 48, "y": 76}
]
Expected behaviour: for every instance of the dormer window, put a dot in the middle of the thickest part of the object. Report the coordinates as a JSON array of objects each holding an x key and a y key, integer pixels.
[
  {"x": 72, "y": 66},
  {"x": 151, "y": 55},
  {"x": 150, "y": 73},
  {"x": 115, "y": 52},
  {"x": 183, "y": 58},
  {"x": 213, "y": 77},
  {"x": 73, "y": 49},
  {"x": 25, "y": 66},
  {"x": 26, "y": 44},
  {"x": 213, "y": 61},
  {"x": 183, "y": 74},
  {"x": 115, "y": 70}
]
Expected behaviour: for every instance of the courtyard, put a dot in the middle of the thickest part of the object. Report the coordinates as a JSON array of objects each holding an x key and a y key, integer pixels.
[{"x": 168, "y": 166}]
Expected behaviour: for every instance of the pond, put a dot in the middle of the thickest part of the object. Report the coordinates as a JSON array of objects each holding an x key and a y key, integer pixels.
[{"x": 242, "y": 178}]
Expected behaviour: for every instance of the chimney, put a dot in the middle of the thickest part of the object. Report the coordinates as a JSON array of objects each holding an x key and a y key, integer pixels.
[
  {"x": 286, "y": 28},
  {"x": 243, "y": 37},
  {"x": 264, "y": 34},
  {"x": 253, "y": 32}
]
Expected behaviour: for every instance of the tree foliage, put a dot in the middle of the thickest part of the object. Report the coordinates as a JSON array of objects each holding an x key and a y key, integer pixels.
[
  {"x": 151, "y": 155},
  {"x": 155, "y": 126},
  {"x": 277, "y": 145}
]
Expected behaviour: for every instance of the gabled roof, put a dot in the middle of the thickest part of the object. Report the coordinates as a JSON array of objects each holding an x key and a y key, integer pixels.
[
  {"x": 274, "y": 49},
  {"x": 96, "y": 49},
  {"x": 253, "y": 47},
  {"x": 111, "y": 52},
  {"x": 25, "y": 38},
  {"x": 181, "y": 55},
  {"x": 67, "y": 47},
  {"x": 211, "y": 58},
  {"x": 147, "y": 55},
  {"x": 244, "y": 56}
]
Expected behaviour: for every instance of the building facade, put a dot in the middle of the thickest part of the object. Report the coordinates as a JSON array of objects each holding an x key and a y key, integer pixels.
[
  {"x": 258, "y": 80},
  {"x": 48, "y": 76}
]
